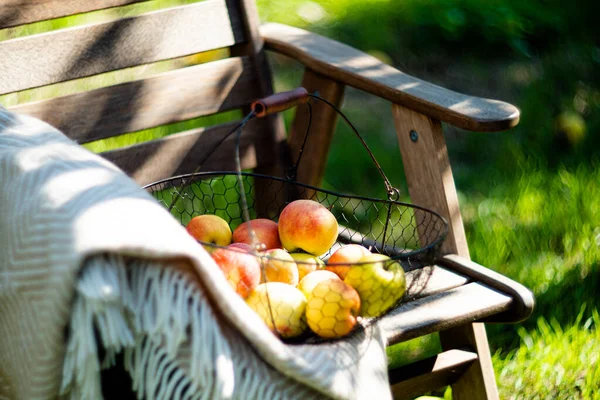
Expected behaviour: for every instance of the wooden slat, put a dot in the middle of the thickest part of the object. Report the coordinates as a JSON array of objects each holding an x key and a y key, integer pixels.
[
  {"x": 169, "y": 97},
  {"x": 441, "y": 311},
  {"x": 324, "y": 119},
  {"x": 430, "y": 374},
  {"x": 181, "y": 153},
  {"x": 431, "y": 280},
  {"x": 253, "y": 47},
  {"x": 428, "y": 172},
  {"x": 431, "y": 185},
  {"x": 523, "y": 300},
  {"x": 77, "y": 52},
  {"x": 410, "y": 381},
  {"x": 355, "y": 68},
  {"x": 18, "y": 12}
]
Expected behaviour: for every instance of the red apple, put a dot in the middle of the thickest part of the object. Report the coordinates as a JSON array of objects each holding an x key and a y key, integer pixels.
[
  {"x": 265, "y": 230},
  {"x": 210, "y": 228},
  {"x": 241, "y": 246},
  {"x": 241, "y": 269},
  {"x": 308, "y": 226},
  {"x": 343, "y": 258}
]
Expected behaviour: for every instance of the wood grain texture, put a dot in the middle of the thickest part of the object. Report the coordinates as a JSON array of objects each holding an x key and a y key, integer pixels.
[
  {"x": 431, "y": 185},
  {"x": 410, "y": 381},
  {"x": 445, "y": 310},
  {"x": 254, "y": 47},
  {"x": 355, "y": 68},
  {"x": 428, "y": 173},
  {"x": 431, "y": 280},
  {"x": 18, "y": 12},
  {"x": 181, "y": 153},
  {"x": 478, "y": 381},
  {"x": 169, "y": 97},
  {"x": 324, "y": 120},
  {"x": 59, "y": 56},
  {"x": 523, "y": 300}
]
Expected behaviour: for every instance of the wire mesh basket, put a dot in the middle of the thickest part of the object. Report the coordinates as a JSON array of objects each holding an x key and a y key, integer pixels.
[{"x": 407, "y": 235}]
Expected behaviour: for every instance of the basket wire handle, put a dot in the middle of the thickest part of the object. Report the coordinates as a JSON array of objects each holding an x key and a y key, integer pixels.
[
  {"x": 238, "y": 127},
  {"x": 392, "y": 192}
]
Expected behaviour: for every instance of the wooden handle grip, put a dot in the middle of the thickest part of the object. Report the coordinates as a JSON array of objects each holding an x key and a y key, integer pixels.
[{"x": 279, "y": 102}]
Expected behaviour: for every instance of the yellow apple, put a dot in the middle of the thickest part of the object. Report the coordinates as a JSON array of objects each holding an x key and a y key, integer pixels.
[
  {"x": 281, "y": 307},
  {"x": 210, "y": 228},
  {"x": 343, "y": 258},
  {"x": 332, "y": 308},
  {"x": 308, "y": 283},
  {"x": 279, "y": 266},
  {"x": 379, "y": 281},
  {"x": 305, "y": 225},
  {"x": 306, "y": 263}
]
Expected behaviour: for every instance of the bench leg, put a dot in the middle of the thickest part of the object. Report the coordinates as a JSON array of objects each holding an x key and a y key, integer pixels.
[
  {"x": 478, "y": 381},
  {"x": 431, "y": 185}
]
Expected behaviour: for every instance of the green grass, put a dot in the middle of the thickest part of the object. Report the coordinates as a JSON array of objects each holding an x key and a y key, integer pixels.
[{"x": 554, "y": 361}]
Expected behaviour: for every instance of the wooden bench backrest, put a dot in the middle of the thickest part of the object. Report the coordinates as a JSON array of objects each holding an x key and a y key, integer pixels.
[{"x": 180, "y": 94}]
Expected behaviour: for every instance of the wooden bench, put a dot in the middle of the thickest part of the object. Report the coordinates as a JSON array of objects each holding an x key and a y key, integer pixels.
[{"x": 459, "y": 295}]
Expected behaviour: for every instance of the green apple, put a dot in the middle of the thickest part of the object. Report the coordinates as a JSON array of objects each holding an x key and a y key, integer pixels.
[
  {"x": 307, "y": 263},
  {"x": 379, "y": 281}
]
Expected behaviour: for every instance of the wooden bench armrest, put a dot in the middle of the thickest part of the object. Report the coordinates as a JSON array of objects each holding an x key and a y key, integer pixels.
[
  {"x": 523, "y": 300},
  {"x": 352, "y": 67}
]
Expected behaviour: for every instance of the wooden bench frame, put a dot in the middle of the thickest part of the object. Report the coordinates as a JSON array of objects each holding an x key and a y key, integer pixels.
[{"x": 445, "y": 303}]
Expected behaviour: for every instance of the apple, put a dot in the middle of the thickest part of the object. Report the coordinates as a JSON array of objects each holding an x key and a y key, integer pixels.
[
  {"x": 308, "y": 283},
  {"x": 210, "y": 228},
  {"x": 241, "y": 269},
  {"x": 279, "y": 266},
  {"x": 265, "y": 230},
  {"x": 281, "y": 307},
  {"x": 379, "y": 281},
  {"x": 332, "y": 308},
  {"x": 306, "y": 263},
  {"x": 241, "y": 246},
  {"x": 305, "y": 225},
  {"x": 340, "y": 261}
]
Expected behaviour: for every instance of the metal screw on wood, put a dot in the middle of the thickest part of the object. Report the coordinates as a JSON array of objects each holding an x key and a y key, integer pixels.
[{"x": 414, "y": 136}]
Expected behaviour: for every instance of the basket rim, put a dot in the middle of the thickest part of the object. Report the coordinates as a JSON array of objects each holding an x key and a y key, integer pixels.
[{"x": 400, "y": 256}]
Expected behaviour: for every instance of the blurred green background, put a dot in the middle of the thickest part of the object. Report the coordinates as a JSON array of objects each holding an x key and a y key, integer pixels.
[{"x": 530, "y": 197}]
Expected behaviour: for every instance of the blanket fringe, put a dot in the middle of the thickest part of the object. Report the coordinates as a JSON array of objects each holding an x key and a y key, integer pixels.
[{"x": 173, "y": 346}]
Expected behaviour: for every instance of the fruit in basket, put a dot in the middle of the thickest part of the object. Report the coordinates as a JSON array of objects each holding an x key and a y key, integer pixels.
[
  {"x": 379, "y": 281},
  {"x": 265, "y": 230},
  {"x": 343, "y": 258},
  {"x": 332, "y": 308},
  {"x": 281, "y": 307},
  {"x": 308, "y": 283},
  {"x": 279, "y": 266},
  {"x": 242, "y": 270},
  {"x": 241, "y": 246},
  {"x": 306, "y": 263},
  {"x": 305, "y": 225},
  {"x": 210, "y": 229}
]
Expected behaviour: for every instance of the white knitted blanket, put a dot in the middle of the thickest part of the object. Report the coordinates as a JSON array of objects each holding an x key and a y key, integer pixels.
[{"x": 83, "y": 249}]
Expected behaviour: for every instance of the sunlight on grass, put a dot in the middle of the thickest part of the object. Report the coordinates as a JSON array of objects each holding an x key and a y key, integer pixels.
[{"x": 553, "y": 361}]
